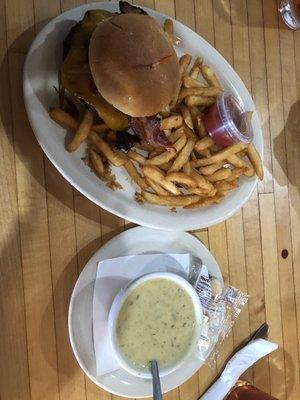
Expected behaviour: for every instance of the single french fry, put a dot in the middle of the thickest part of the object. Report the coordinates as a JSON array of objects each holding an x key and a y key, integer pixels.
[
  {"x": 204, "y": 143},
  {"x": 157, "y": 188},
  {"x": 82, "y": 132},
  {"x": 187, "y": 117},
  {"x": 134, "y": 175},
  {"x": 202, "y": 182},
  {"x": 194, "y": 72},
  {"x": 210, "y": 169},
  {"x": 64, "y": 119},
  {"x": 205, "y": 91},
  {"x": 189, "y": 132},
  {"x": 221, "y": 174},
  {"x": 174, "y": 121},
  {"x": 205, "y": 202},
  {"x": 157, "y": 176},
  {"x": 236, "y": 161},
  {"x": 97, "y": 163},
  {"x": 115, "y": 158},
  {"x": 134, "y": 156},
  {"x": 235, "y": 174},
  {"x": 175, "y": 135},
  {"x": 168, "y": 155},
  {"x": 166, "y": 166},
  {"x": 100, "y": 128},
  {"x": 198, "y": 191},
  {"x": 184, "y": 62},
  {"x": 189, "y": 82},
  {"x": 183, "y": 156},
  {"x": 221, "y": 155},
  {"x": 255, "y": 160},
  {"x": 199, "y": 101},
  {"x": 187, "y": 168},
  {"x": 156, "y": 152},
  {"x": 182, "y": 179},
  {"x": 210, "y": 76},
  {"x": 171, "y": 201},
  {"x": 204, "y": 153},
  {"x": 224, "y": 186},
  {"x": 198, "y": 121},
  {"x": 169, "y": 30}
]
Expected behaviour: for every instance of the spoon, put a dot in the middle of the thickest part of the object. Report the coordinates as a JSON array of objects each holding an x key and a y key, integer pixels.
[{"x": 157, "y": 395}]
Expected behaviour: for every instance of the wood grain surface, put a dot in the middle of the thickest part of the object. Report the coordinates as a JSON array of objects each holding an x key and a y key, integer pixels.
[{"x": 48, "y": 230}]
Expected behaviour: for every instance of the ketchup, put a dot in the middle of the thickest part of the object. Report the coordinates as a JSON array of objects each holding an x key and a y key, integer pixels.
[{"x": 227, "y": 123}]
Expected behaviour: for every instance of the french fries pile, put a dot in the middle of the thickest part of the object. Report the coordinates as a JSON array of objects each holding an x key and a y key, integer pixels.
[{"x": 195, "y": 172}]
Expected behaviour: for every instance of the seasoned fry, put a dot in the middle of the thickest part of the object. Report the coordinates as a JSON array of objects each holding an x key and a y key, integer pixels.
[
  {"x": 198, "y": 121},
  {"x": 166, "y": 166},
  {"x": 134, "y": 175},
  {"x": 221, "y": 155},
  {"x": 224, "y": 186},
  {"x": 198, "y": 191},
  {"x": 221, "y": 174},
  {"x": 204, "y": 91},
  {"x": 133, "y": 155},
  {"x": 199, "y": 101},
  {"x": 184, "y": 62},
  {"x": 194, "y": 72},
  {"x": 204, "y": 202},
  {"x": 236, "y": 161},
  {"x": 157, "y": 176},
  {"x": 171, "y": 201},
  {"x": 63, "y": 119},
  {"x": 189, "y": 82},
  {"x": 182, "y": 179},
  {"x": 210, "y": 77},
  {"x": 97, "y": 163},
  {"x": 204, "y": 143},
  {"x": 175, "y": 135},
  {"x": 202, "y": 182},
  {"x": 174, "y": 121},
  {"x": 169, "y": 30},
  {"x": 115, "y": 158},
  {"x": 189, "y": 132},
  {"x": 210, "y": 169},
  {"x": 183, "y": 156},
  {"x": 157, "y": 188},
  {"x": 156, "y": 152},
  {"x": 186, "y": 116},
  {"x": 205, "y": 153},
  {"x": 255, "y": 160},
  {"x": 187, "y": 168},
  {"x": 168, "y": 155},
  {"x": 100, "y": 128},
  {"x": 235, "y": 173}
]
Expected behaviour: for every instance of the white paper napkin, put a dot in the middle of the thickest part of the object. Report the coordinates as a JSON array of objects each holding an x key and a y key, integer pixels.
[
  {"x": 113, "y": 275},
  {"x": 238, "y": 364}
]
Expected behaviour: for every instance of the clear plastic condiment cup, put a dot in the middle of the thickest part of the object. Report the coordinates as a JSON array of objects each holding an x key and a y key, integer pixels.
[{"x": 227, "y": 122}]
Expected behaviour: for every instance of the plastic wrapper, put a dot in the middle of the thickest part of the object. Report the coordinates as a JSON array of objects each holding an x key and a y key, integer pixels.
[{"x": 221, "y": 307}]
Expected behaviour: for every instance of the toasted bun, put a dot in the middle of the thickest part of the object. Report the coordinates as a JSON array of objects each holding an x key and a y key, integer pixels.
[{"x": 134, "y": 67}]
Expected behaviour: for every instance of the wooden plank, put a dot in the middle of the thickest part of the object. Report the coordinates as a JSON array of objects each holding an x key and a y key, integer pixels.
[
  {"x": 203, "y": 236},
  {"x": 68, "y": 4},
  {"x": 44, "y": 11},
  {"x": 145, "y": 3},
  {"x": 272, "y": 292},
  {"x": 19, "y": 25},
  {"x": 88, "y": 240},
  {"x": 64, "y": 276},
  {"x": 283, "y": 229},
  {"x": 184, "y": 11},
  {"x": 34, "y": 245},
  {"x": 205, "y": 19},
  {"x": 259, "y": 85},
  {"x": 13, "y": 346},
  {"x": 165, "y": 7}
]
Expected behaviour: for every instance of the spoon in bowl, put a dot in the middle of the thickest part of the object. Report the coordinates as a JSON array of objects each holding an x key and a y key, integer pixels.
[{"x": 157, "y": 395}]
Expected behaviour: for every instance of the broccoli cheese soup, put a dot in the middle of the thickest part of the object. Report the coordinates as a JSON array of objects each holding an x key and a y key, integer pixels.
[{"x": 156, "y": 322}]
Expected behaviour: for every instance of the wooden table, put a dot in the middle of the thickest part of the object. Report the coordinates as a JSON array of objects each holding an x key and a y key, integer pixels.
[{"x": 49, "y": 230}]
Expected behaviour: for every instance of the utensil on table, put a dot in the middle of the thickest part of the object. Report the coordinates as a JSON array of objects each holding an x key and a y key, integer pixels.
[{"x": 157, "y": 395}]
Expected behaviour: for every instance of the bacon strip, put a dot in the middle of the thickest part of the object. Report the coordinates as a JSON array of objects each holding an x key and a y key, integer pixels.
[{"x": 148, "y": 130}]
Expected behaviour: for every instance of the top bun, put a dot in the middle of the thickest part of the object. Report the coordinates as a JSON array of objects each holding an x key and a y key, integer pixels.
[{"x": 134, "y": 66}]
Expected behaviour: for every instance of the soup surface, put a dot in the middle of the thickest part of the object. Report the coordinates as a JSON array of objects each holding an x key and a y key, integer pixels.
[{"x": 156, "y": 322}]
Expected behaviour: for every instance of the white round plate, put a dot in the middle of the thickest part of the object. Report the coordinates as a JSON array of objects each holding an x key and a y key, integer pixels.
[
  {"x": 133, "y": 241},
  {"x": 40, "y": 76}
]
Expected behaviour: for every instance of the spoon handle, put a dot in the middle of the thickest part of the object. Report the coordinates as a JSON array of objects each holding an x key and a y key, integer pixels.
[{"x": 157, "y": 395}]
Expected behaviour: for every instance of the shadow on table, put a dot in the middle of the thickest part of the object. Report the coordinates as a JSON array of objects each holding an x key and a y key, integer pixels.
[{"x": 289, "y": 141}]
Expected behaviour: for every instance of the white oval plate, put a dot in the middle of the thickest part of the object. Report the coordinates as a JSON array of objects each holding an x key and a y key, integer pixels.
[
  {"x": 40, "y": 75},
  {"x": 133, "y": 241}
]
